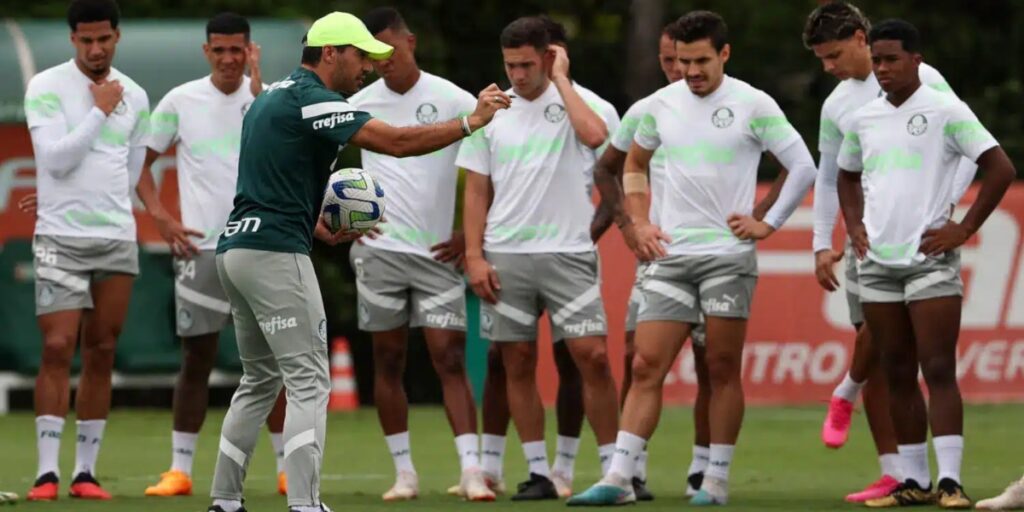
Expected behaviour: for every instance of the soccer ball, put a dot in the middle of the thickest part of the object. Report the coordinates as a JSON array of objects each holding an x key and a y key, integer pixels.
[{"x": 353, "y": 201}]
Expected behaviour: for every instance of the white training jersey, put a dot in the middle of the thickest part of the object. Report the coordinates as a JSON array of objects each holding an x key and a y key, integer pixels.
[
  {"x": 606, "y": 111},
  {"x": 94, "y": 198},
  {"x": 849, "y": 96},
  {"x": 420, "y": 191},
  {"x": 907, "y": 157},
  {"x": 712, "y": 146},
  {"x": 206, "y": 126},
  {"x": 622, "y": 139},
  {"x": 538, "y": 168}
]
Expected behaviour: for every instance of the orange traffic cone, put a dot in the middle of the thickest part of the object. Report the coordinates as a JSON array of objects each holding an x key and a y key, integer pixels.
[{"x": 343, "y": 381}]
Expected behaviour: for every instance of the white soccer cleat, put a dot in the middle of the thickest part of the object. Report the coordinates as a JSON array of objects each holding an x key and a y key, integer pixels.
[
  {"x": 457, "y": 490},
  {"x": 1011, "y": 499},
  {"x": 563, "y": 484},
  {"x": 407, "y": 487},
  {"x": 713, "y": 491},
  {"x": 495, "y": 483},
  {"x": 474, "y": 486}
]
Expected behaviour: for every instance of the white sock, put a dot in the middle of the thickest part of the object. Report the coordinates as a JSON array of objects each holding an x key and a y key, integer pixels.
[
  {"x": 699, "y": 463},
  {"x": 90, "y": 435},
  {"x": 719, "y": 461},
  {"x": 566, "y": 449},
  {"x": 641, "y": 466},
  {"x": 277, "y": 441},
  {"x": 537, "y": 458},
  {"x": 48, "y": 431},
  {"x": 183, "y": 449},
  {"x": 627, "y": 448},
  {"x": 228, "y": 505},
  {"x": 848, "y": 389},
  {"x": 914, "y": 464},
  {"x": 949, "y": 452},
  {"x": 492, "y": 454},
  {"x": 468, "y": 446},
  {"x": 605, "y": 452},
  {"x": 890, "y": 464},
  {"x": 315, "y": 508},
  {"x": 401, "y": 452}
]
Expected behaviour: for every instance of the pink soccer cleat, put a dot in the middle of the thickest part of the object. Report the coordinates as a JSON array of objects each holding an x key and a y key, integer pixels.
[
  {"x": 877, "y": 489},
  {"x": 837, "y": 423}
]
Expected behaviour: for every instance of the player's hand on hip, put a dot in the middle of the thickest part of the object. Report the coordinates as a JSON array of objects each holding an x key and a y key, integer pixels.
[
  {"x": 178, "y": 236},
  {"x": 859, "y": 240},
  {"x": 490, "y": 100},
  {"x": 483, "y": 279},
  {"x": 107, "y": 95},
  {"x": 746, "y": 227},
  {"x": 824, "y": 268},
  {"x": 560, "y": 64},
  {"x": 452, "y": 250},
  {"x": 944, "y": 239},
  {"x": 28, "y": 204},
  {"x": 649, "y": 241}
]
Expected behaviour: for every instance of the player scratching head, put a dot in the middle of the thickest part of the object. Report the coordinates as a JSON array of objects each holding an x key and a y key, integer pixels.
[
  {"x": 524, "y": 48},
  {"x": 339, "y": 48},
  {"x": 702, "y": 49},
  {"x": 388, "y": 26},
  {"x": 94, "y": 34},
  {"x": 837, "y": 33},
  {"x": 895, "y": 57},
  {"x": 226, "y": 47}
]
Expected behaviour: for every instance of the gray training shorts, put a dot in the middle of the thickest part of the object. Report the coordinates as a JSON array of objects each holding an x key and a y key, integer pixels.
[
  {"x": 567, "y": 285},
  {"x": 66, "y": 266},
  {"x": 200, "y": 304},
  {"x": 930, "y": 279},
  {"x": 853, "y": 287},
  {"x": 397, "y": 288},
  {"x": 683, "y": 287}
]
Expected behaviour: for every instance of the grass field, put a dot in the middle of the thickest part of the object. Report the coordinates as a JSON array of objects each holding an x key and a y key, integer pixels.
[{"x": 780, "y": 463}]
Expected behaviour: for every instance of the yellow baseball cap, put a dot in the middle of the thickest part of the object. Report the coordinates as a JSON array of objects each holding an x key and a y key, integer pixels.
[{"x": 342, "y": 28}]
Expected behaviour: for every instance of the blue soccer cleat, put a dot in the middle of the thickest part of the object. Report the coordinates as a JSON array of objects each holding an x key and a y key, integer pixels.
[{"x": 603, "y": 494}]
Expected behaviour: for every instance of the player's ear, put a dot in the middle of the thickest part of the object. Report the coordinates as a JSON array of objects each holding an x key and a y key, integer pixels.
[
  {"x": 918, "y": 58},
  {"x": 412, "y": 42},
  {"x": 725, "y": 53},
  {"x": 117, "y": 35}
]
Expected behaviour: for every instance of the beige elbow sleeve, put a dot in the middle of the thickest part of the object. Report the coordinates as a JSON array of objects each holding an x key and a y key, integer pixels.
[{"x": 634, "y": 183}]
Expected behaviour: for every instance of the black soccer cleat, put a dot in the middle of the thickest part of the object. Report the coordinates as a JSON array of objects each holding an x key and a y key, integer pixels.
[
  {"x": 217, "y": 508},
  {"x": 695, "y": 481},
  {"x": 640, "y": 490},
  {"x": 538, "y": 487}
]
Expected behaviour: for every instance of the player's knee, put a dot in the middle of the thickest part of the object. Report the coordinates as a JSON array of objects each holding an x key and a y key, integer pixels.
[
  {"x": 197, "y": 366},
  {"x": 58, "y": 350},
  {"x": 389, "y": 363},
  {"x": 593, "y": 362},
  {"x": 939, "y": 371},
  {"x": 645, "y": 370},
  {"x": 520, "y": 363},
  {"x": 723, "y": 368},
  {"x": 901, "y": 372},
  {"x": 450, "y": 363}
]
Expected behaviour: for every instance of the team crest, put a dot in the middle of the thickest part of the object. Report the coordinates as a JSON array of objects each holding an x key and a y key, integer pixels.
[
  {"x": 358, "y": 264},
  {"x": 46, "y": 296},
  {"x": 184, "y": 319},
  {"x": 917, "y": 125},
  {"x": 426, "y": 113},
  {"x": 321, "y": 329},
  {"x": 121, "y": 108},
  {"x": 554, "y": 113},
  {"x": 245, "y": 108},
  {"x": 364, "y": 313},
  {"x": 722, "y": 118},
  {"x": 486, "y": 322}
]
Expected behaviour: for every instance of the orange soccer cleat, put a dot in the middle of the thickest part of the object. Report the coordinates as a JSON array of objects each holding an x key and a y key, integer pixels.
[
  {"x": 45, "y": 488},
  {"x": 172, "y": 483}
]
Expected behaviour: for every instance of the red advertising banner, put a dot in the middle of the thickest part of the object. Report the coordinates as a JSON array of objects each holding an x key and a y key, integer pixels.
[{"x": 800, "y": 340}]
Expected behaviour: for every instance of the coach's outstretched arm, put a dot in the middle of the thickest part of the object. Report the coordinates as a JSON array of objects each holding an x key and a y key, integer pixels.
[{"x": 380, "y": 137}]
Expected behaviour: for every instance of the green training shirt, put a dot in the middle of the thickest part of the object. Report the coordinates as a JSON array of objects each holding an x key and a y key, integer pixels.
[{"x": 290, "y": 138}]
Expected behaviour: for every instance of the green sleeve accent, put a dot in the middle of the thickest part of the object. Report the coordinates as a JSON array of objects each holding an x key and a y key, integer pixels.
[
  {"x": 771, "y": 128},
  {"x": 648, "y": 127},
  {"x": 966, "y": 132},
  {"x": 941, "y": 87},
  {"x": 163, "y": 123},
  {"x": 851, "y": 144},
  {"x": 829, "y": 133},
  {"x": 45, "y": 105}
]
